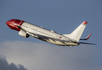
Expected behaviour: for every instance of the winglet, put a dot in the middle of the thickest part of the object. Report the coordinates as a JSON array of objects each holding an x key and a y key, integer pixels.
[
  {"x": 85, "y": 23},
  {"x": 88, "y": 36}
]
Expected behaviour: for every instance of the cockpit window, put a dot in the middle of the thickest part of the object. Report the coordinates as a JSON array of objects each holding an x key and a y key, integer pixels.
[{"x": 17, "y": 21}]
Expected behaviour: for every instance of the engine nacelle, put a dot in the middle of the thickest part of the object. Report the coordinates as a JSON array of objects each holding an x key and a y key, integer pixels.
[{"x": 23, "y": 33}]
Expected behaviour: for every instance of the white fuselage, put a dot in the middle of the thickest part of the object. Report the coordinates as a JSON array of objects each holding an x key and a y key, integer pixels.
[
  {"x": 26, "y": 29},
  {"x": 47, "y": 35}
]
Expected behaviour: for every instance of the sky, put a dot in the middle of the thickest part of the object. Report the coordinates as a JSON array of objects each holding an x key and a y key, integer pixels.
[{"x": 62, "y": 16}]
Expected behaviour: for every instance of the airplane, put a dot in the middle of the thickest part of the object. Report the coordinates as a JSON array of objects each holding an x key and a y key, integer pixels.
[{"x": 27, "y": 29}]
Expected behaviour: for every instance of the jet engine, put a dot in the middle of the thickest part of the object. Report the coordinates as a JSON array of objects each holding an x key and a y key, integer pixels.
[{"x": 23, "y": 33}]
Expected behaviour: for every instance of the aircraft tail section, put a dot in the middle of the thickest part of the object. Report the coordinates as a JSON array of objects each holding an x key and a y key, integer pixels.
[{"x": 76, "y": 34}]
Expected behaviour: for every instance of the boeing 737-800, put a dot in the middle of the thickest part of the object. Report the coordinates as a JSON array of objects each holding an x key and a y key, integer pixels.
[{"x": 26, "y": 29}]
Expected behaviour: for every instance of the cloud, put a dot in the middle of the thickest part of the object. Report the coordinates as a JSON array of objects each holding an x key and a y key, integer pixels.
[
  {"x": 5, "y": 66},
  {"x": 42, "y": 56}
]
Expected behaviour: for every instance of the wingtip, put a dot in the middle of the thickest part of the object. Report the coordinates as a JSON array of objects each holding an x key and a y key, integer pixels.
[
  {"x": 88, "y": 36},
  {"x": 85, "y": 23}
]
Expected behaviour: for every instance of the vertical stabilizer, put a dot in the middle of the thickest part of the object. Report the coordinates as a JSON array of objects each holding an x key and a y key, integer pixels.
[{"x": 76, "y": 34}]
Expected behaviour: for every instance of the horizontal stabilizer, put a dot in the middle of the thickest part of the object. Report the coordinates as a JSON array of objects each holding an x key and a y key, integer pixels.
[
  {"x": 86, "y": 43},
  {"x": 87, "y": 37}
]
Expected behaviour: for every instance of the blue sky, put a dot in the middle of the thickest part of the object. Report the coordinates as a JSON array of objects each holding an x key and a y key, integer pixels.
[{"x": 63, "y": 16}]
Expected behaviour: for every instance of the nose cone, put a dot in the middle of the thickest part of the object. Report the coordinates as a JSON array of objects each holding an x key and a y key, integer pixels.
[
  {"x": 13, "y": 24},
  {"x": 8, "y": 23}
]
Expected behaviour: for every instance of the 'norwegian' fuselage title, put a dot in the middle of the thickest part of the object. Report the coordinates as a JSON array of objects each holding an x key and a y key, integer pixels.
[{"x": 26, "y": 29}]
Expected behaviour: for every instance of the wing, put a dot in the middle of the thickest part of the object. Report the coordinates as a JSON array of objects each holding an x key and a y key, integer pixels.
[{"x": 45, "y": 38}]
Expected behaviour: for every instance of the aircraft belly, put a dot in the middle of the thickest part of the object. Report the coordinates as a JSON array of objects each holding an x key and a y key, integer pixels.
[{"x": 62, "y": 43}]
